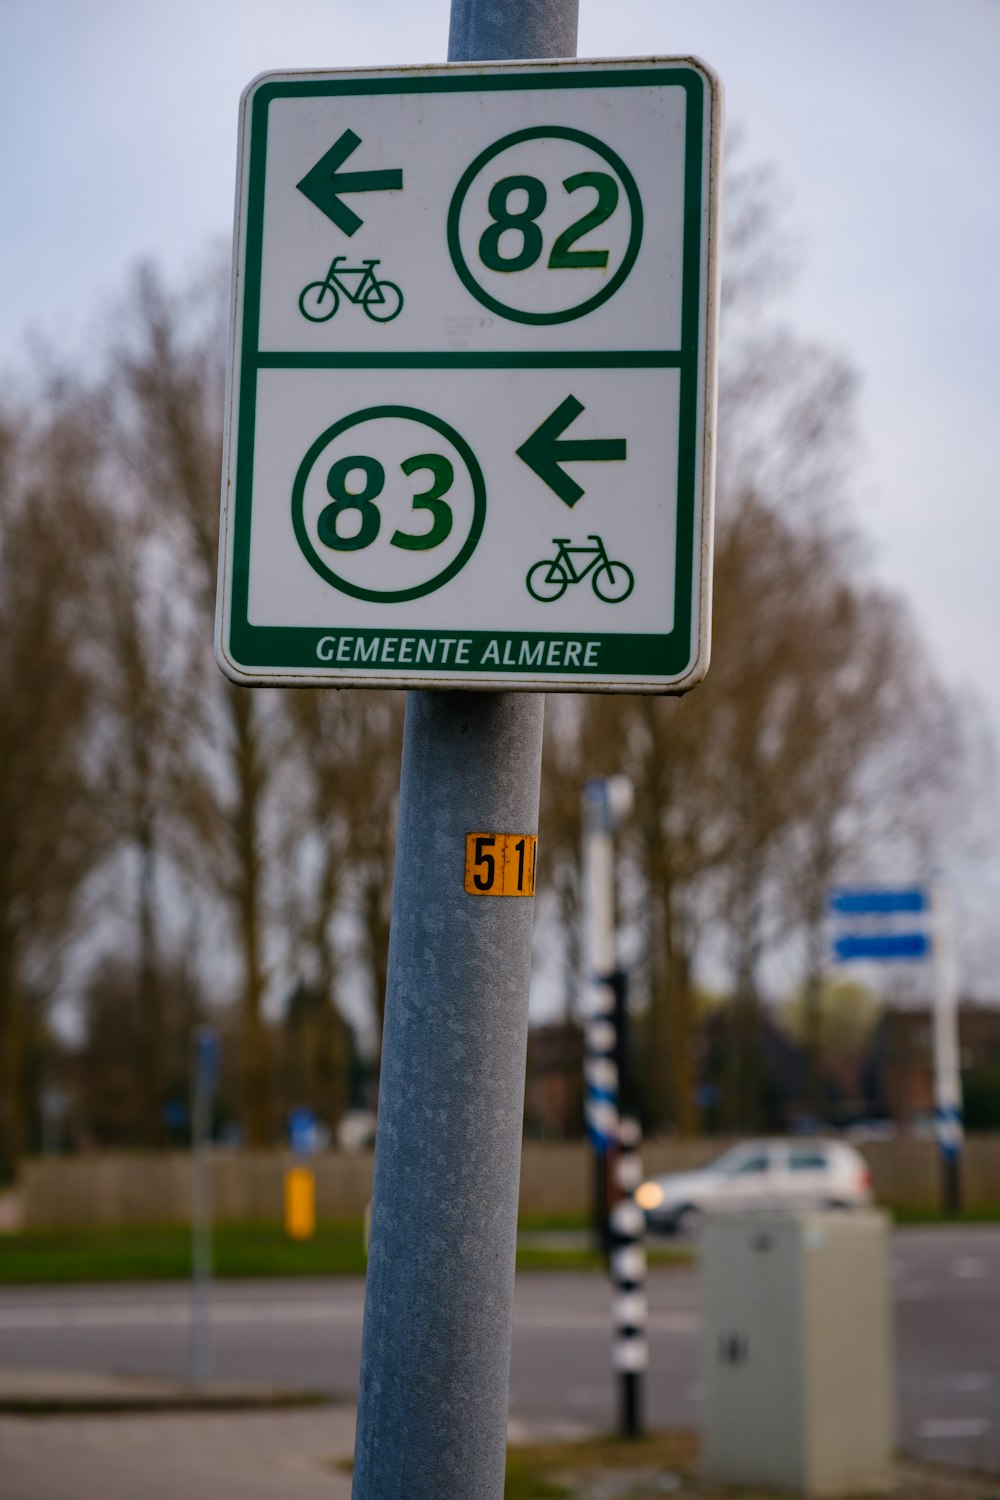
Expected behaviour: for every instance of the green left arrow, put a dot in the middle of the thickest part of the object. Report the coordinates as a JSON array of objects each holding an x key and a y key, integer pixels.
[
  {"x": 323, "y": 184},
  {"x": 546, "y": 449}
]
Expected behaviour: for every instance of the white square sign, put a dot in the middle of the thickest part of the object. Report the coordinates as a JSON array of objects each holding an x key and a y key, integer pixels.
[{"x": 472, "y": 382}]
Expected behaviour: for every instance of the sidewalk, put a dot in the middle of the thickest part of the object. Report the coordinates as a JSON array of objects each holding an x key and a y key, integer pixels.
[
  {"x": 122, "y": 1438},
  {"x": 68, "y": 1435},
  {"x": 177, "y": 1456}
]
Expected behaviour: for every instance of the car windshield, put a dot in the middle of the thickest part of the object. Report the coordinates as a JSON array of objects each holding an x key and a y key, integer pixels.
[
  {"x": 739, "y": 1160},
  {"x": 804, "y": 1160}
]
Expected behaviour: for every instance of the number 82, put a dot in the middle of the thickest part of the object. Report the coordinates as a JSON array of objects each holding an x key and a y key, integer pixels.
[{"x": 562, "y": 257}]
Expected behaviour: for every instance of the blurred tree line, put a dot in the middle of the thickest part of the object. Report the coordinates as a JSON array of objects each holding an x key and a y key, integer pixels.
[{"x": 174, "y": 848}]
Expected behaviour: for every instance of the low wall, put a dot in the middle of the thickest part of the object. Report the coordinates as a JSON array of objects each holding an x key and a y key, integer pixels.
[
  {"x": 117, "y": 1189},
  {"x": 109, "y": 1190},
  {"x": 905, "y": 1174},
  {"x": 981, "y": 1170}
]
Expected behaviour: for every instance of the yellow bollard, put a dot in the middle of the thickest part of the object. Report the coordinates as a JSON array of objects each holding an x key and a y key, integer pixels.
[{"x": 300, "y": 1203}]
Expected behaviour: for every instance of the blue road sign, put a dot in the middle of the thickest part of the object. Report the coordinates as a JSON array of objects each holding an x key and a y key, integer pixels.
[
  {"x": 208, "y": 1056},
  {"x": 877, "y": 903},
  {"x": 881, "y": 945},
  {"x": 302, "y": 1132}
]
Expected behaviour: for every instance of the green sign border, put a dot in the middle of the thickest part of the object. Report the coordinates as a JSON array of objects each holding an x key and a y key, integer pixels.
[
  {"x": 270, "y": 649},
  {"x": 534, "y": 133}
]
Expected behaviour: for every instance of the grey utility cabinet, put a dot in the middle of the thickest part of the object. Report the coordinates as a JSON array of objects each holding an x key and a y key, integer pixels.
[{"x": 797, "y": 1351}]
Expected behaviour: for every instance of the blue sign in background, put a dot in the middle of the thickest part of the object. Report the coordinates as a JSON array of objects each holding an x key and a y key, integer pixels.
[
  {"x": 881, "y": 945},
  {"x": 877, "y": 903},
  {"x": 302, "y": 1132},
  {"x": 877, "y": 942}
]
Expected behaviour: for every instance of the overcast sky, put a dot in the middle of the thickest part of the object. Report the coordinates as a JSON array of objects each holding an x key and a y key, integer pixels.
[{"x": 881, "y": 119}]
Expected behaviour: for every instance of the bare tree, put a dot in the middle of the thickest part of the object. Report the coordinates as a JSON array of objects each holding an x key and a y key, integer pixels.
[
  {"x": 51, "y": 834},
  {"x": 344, "y": 753},
  {"x": 750, "y": 790},
  {"x": 167, "y": 390}
]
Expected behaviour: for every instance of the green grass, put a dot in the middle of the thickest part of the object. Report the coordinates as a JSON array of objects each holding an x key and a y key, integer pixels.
[
  {"x": 525, "y": 1482},
  {"x": 537, "y": 1258},
  {"x": 337, "y": 1249},
  {"x": 165, "y": 1254},
  {"x": 558, "y": 1471},
  {"x": 555, "y": 1224},
  {"x": 582, "y": 1257},
  {"x": 982, "y": 1213}
]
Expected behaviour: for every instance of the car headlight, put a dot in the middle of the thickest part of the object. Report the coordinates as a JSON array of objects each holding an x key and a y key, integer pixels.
[{"x": 649, "y": 1195}]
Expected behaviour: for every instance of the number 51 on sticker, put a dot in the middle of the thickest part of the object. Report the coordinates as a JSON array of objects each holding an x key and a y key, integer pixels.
[{"x": 500, "y": 864}]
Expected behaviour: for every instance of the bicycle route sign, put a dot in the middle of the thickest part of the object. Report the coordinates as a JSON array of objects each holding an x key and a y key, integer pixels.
[{"x": 472, "y": 379}]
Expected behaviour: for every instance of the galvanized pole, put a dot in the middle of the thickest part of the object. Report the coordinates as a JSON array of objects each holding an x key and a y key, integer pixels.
[
  {"x": 947, "y": 1066},
  {"x": 205, "y": 1067},
  {"x": 435, "y": 1360},
  {"x": 432, "y": 1418},
  {"x": 600, "y": 1068},
  {"x": 483, "y": 30}
]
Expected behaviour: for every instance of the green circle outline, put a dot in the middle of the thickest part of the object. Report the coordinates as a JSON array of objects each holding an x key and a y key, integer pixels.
[
  {"x": 534, "y": 132},
  {"x": 368, "y": 414}
]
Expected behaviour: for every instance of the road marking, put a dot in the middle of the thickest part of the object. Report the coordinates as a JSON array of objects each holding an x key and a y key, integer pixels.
[
  {"x": 588, "y": 1395},
  {"x": 662, "y": 1322},
  {"x": 954, "y": 1427},
  {"x": 148, "y": 1315},
  {"x": 914, "y": 1291},
  {"x": 968, "y": 1267},
  {"x": 975, "y": 1380},
  {"x": 531, "y": 1430}
]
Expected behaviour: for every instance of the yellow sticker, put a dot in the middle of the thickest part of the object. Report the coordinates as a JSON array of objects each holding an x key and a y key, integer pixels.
[{"x": 500, "y": 864}]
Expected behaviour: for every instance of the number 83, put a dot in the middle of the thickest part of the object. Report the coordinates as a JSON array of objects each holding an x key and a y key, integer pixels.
[{"x": 370, "y": 518}]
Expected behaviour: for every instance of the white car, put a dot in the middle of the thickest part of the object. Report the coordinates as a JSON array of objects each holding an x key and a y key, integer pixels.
[{"x": 774, "y": 1174}]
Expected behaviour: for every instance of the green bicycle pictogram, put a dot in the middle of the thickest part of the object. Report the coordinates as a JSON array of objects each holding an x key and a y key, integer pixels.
[
  {"x": 381, "y": 300},
  {"x": 549, "y": 578}
]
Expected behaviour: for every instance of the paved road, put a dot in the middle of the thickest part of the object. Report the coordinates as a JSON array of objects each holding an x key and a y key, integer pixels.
[
  {"x": 947, "y": 1298},
  {"x": 307, "y": 1334}
]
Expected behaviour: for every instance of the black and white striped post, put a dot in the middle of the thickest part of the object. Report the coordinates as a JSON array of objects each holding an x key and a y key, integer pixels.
[
  {"x": 628, "y": 1251},
  {"x": 628, "y": 1272},
  {"x": 205, "y": 1078},
  {"x": 614, "y": 1132},
  {"x": 600, "y": 1073}
]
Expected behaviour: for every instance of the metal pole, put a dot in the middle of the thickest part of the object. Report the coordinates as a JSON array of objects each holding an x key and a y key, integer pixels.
[
  {"x": 598, "y": 949},
  {"x": 600, "y": 1067},
  {"x": 485, "y": 29},
  {"x": 947, "y": 1065},
  {"x": 205, "y": 1067},
  {"x": 435, "y": 1359},
  {"x": 432, "y": 1417}
]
